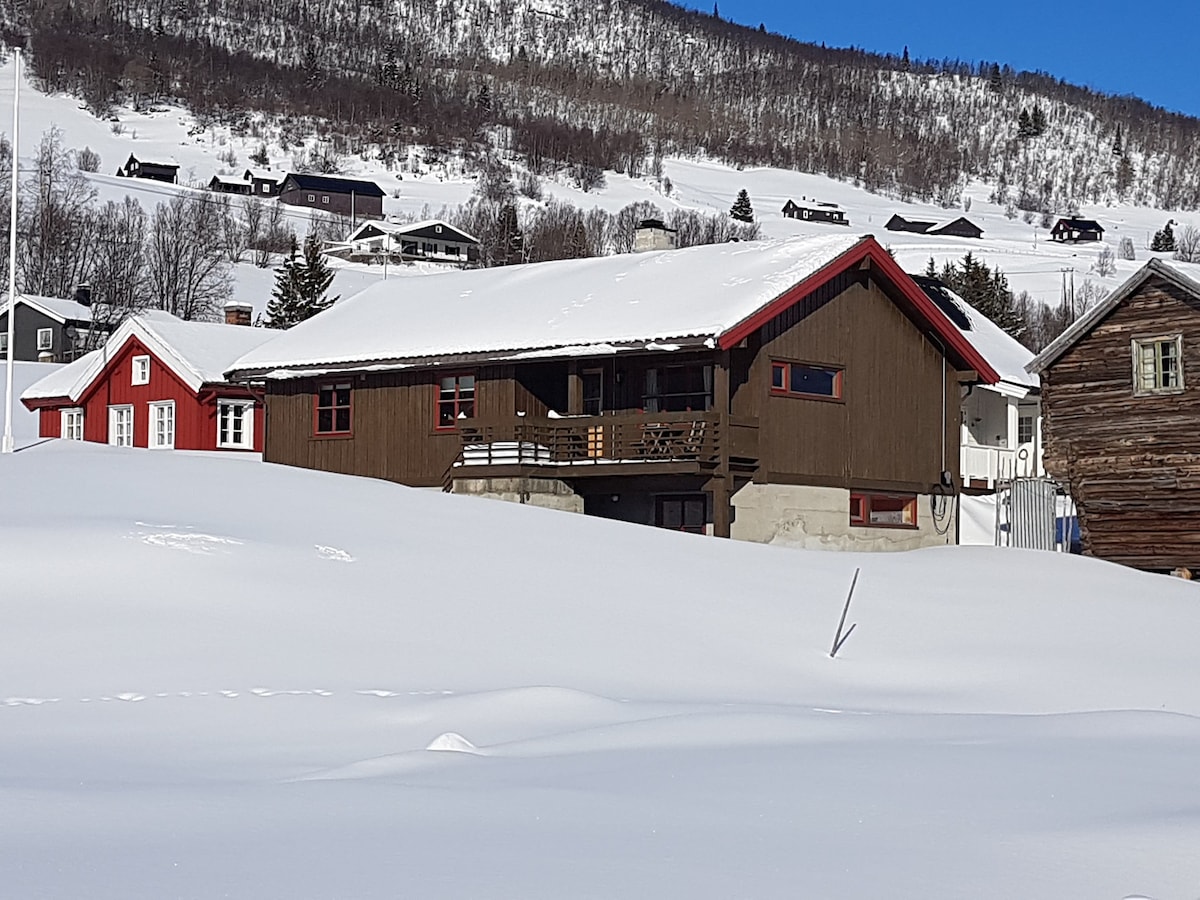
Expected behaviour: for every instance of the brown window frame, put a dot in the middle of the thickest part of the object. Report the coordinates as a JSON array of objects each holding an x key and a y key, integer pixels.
[
  {"x": 862, "y": 505},
  {"x": 334, "y": 407},
  {"x": 839, "y": 380},
  {"x": 684, "y": 501},
  {"x": 456, "y": 402}
]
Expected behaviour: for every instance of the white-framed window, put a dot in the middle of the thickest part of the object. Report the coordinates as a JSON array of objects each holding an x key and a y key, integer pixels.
[
  {"x": 162, "y": 425},
  {"x": 4, "y": 344},
  {"x": 324, "y": 198},
  {"x": 45, "y": 339},
  {"x": 1025, "y": 429},
  {"x": 266, "y": 188},
  {"x": 1158, "y": 365},
  {"x": 312, "y": 198},
  {"x": 120, "y": 426},
  {"x": 235, "y": 424},
  {"x": 72, "y": 425},
  {"x": 141, "y": 370}
]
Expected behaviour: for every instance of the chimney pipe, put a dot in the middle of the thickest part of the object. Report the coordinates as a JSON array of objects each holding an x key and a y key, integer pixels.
[{"x": 83, "y": 295}]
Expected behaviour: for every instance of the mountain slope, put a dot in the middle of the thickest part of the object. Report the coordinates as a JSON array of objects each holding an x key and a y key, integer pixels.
[{"x": 616, "y": 84}]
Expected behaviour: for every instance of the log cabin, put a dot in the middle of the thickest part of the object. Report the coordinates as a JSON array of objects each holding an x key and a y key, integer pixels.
[
  {"x": 1120, "y": 403},
  {"x": 803, "y": 390}
]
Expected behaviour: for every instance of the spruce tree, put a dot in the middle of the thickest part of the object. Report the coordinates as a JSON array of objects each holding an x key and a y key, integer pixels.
[
  {"x": 1024, "y": 125},
  {"x": 1037, "y": 121},
  {"x": 995, "y": 81},
  {"x": 510, "y": 243},
  {"x": 1117, "y": 149},
  {"x": 742, "y": 210},
  {"x": 1164, "y": 240},
  {"x": 301, "y": 286}
]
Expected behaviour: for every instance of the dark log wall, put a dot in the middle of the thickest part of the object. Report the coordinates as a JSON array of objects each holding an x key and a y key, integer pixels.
[
  {"x": 888, "y": 429},
  {"x": 1132, "y": 462}
]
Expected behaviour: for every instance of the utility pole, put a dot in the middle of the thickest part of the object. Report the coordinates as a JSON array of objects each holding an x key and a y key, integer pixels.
[{"x": 6, "y": 444}]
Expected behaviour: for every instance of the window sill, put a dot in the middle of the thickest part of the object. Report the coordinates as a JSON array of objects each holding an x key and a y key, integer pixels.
[
  {"x": 787, "y": 395},
  {"x": 332, "y": 436},
  {"x": 1161, "y": 392},
  {"x": 888, "y": 527}
]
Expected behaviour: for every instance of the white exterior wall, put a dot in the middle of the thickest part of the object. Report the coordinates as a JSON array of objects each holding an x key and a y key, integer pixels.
[
  {"x": 818, "y": 518},
  {"x": 990, "y": 449}
]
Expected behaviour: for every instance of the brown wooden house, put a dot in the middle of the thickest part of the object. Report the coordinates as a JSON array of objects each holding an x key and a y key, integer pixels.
[
  {"x": 1073, "y": 230},
  {"x": 1120, "y": 405},
  {"x": 803, "y": 390},
  {"x": 166, "y": 170},
  {"x": 343, "y": 196}
]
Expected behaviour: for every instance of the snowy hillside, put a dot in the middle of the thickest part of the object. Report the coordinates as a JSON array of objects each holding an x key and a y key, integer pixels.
[
  {"x": 293, "y": 684},
  {"x": 1021, "y": 250}
]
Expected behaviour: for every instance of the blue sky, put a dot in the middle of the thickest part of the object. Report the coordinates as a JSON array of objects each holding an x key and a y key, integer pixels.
[{"x": 1117, "y": 47}]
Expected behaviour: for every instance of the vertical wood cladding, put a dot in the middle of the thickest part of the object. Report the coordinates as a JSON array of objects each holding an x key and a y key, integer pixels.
[
  {"x": 1133, "y": 462},
  {"x": 887, "y": 429}
]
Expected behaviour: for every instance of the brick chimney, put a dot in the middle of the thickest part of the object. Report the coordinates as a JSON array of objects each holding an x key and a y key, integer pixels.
[{"x": 238, "y": 313}]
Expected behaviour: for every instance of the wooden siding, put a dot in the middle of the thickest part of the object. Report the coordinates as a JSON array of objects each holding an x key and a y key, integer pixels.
[
  {"x": 1132, "y": 462},
  {"x": 195, "y": 414},
  {"x": 356, "y": 205},
  {"x": 888, "y": 428}
]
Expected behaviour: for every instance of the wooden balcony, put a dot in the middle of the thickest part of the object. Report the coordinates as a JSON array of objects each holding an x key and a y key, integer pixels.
[{"x": 578, "y": 446}]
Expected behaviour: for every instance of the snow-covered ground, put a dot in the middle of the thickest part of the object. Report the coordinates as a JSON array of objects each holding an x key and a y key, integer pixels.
[
  {"x": 293, "y": 684},
  {"x": 1025, "y": 254}
]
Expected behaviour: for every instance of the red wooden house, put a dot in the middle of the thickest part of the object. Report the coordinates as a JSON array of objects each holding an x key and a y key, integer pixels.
[{"x": 156, "y": 383}]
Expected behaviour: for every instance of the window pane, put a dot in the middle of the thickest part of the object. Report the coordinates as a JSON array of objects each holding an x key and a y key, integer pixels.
[
  {"x": 812, "y": 380},
  {"x": 466, "y": 384},
  {"x": 342, "y": 395},
  {"x": 778, "y": 373},
  {"x": 343, "y": 419},
  {"x": 325, "y": 396},
  {"x": 325, "y": 420}
]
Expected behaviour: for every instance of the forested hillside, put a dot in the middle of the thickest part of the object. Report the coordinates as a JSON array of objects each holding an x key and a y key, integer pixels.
[{"x": 585, "y": 85}]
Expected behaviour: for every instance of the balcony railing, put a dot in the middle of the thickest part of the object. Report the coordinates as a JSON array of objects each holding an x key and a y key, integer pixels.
[{"x": 583, "y": 441}]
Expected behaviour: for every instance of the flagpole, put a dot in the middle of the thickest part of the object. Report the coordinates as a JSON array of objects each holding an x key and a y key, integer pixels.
[{"x": 6, "y": 445}]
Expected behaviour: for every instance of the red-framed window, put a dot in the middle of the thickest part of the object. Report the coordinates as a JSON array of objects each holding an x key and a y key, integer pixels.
[
  {"x": 332, "y": 411},
  {"x": 793, "y": 379},
  {"x": 455, "y": 400},
  {"x": 883, "y": 510}
]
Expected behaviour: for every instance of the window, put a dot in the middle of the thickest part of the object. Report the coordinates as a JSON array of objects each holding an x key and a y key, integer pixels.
[
  {"x": 593, "y": 392},
  {"x": 427, "y": 247},
  {"x": 312, "y": 198},
  {"x": 120, "y": 426},
  {"x": 456, "y": 399},
  {"x": 1158, "y": 365},
  {"x": 801, "y": 380},
  {"x": 409, "y": 247},
  {"x": 884, "y": 510},
  {"x": 141, "y": 370},
  {"x": 162, "y": 425},
  {"x": 72, "y": 425},
  {"x": 265, "y": 188},
  {"x": 333, "y": 408},
  {"x": 4, "y": 343},
  {"x": 683, "y": 512},
  {"x": 45, "y": 339},
  {"x": 324, "y": 198},
  {"x": 678, "y": 389},
  {"x": 452, "y": 250},
  {"x": 1024, "y": 429},
  {"x": 235, "y": 424}
]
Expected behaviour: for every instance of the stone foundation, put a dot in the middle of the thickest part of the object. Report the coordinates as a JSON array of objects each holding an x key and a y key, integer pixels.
[
  {"x": 818, "y": 518},
  {"x": 549, "y": 493}
]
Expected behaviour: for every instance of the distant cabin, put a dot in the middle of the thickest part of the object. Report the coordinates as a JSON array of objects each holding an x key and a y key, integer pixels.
[
  {"x": 653, "y": 234},
  {"x": 343, "y": 196},
  {"x": 814, "y": 211},
  {"x": 51, "y": 329},
  {"x": 429, "y": 241},
  {"x": 264, "y": 182},
  {"x": 164, "y": 170},
  {"x": 1073, "y": 231},
  {"x": 228, "y": 184},
  {"x": 960, "y": 227}
]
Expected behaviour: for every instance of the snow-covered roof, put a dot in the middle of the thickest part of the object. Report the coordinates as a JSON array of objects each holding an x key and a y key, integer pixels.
[
  {"x": 1004, "y": 353},
  {"x": 1182, "y": 276},
  {"x": 56, "y": 308},
  {"x": 232, "y": 180},
  {"x": 264, "y": 175},
  {"x": 197, "y": 352},
  {"x": 399, "y": 228},
  {"x": 693, "y": 296}
]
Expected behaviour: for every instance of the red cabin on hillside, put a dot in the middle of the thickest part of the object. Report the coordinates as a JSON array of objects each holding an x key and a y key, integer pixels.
[{"x": 158, "y": 382}]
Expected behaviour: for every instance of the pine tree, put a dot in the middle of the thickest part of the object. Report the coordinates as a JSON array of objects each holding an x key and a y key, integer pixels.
[
  {"x": 1164, "y": 240},
  {"x": 986, "y": 290},
  {"x": 742, "y": 210},
  {"x": 1117, "y": 149},
  {"x": 1037, "y": 121},
  {"x": 301, "y": 286},
  {"x": 995, "y": 81},
  {"x": 1024, "y": 125},
  {"x": 510, "y": 243}
]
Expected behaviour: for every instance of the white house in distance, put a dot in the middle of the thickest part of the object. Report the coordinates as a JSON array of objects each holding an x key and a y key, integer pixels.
[
  {"x": 430, "y": 241},
  {"x": 1001, "y": 422}
]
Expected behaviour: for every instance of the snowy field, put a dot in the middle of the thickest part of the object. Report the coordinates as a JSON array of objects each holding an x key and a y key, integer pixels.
[
  {"x": 229, "y": 679},
  {"x": 1022, "y": 251}
]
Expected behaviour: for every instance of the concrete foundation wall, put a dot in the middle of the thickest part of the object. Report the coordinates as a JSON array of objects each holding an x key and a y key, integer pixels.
[
  {"x": 549, "y": 493},
  {"x": 818, "y": 518}
]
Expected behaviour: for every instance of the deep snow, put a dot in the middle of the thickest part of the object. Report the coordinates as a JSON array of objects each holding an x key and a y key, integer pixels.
[{"x": 221, "y": 678}]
